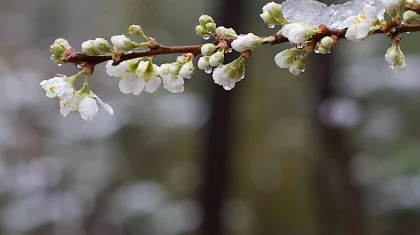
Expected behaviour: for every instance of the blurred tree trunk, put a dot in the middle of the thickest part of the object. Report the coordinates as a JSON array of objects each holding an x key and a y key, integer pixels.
[
  {"x": 338, "y": 197},
  {"x": 216, "y": 166}
]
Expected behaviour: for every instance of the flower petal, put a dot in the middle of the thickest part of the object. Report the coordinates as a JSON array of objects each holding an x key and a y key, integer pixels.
[
  {"x": 88, "y": 108},
  {"x": 138, "y": 86},
  {"x": 153, "y": 84}
]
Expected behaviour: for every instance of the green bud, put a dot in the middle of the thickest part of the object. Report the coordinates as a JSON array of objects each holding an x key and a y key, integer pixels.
[
  {"x": 273, "y": 15},
  {"x": 137, "y": 30},
  {"x": 204, "y": 19},
  {"x": 201, "y": 31},
  {"x": 211, "y": 27},
  {"x": 58, "y": 49},
  {"x": 411, "y": 17}
]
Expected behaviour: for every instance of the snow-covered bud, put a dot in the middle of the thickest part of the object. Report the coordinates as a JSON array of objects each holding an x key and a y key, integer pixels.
[
  {"x": 411, "y": 17},
  {"x": 203, "y": 62},
  {"x": 137, "y": 30},
  {"x": 217, "y": 59},
  {"x": 359, "y": 27},
  {"x": 298, "y": 66},
  {"x": 229, "y": 74},
  {"x": 123, "y": 43},
  {"x": 225, "y": 32},
  {"x": 58, "y": 49},
  {"x": 98, "y": 46},
  {"x": 395, "y": 58},
  {"x": 297, "y": 32},
  {"x": 324, "y": 46},
  {"x": 285, "y": 58},
  {"x": 393, "y": 7},
  {"x": 187, "y": 70},
  {"x": 272, "y": 14},
  {"x": 247, "y": 42},
  {"x": 208, "y": 49}
]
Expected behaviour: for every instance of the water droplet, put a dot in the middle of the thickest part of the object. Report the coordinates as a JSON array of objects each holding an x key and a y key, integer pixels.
[
  {"x": 206, "y": 37},
  {"x": 302, "y": 70},
  {"x": 300, "y": 45},
  {"x": 229, "y": 50},
  {"x": 59, "y": 65},
  {"x": 208, "y": 70},
  {"x": 408, "y": 32},
  {"x": 316, "y": 51},
  {"x": 227, "y": 87},
  {"x": 79, "y": 66},
  {"x": 271, "y": 26}
]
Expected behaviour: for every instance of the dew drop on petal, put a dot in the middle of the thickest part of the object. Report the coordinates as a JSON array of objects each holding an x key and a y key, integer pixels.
[
  {"x": 208, "y": 70},
  {"x": 300, "y": 45},
  {"x": 79, "y": 66},
  {"x": 271, "y": 26},
  {"x": 59, "y": 65},
  {"x": 316, "y": 51},
  {"x": 228, "y": 88},
  {"x": 302, "y": 70},
  {"x": 206, "y": 37}
]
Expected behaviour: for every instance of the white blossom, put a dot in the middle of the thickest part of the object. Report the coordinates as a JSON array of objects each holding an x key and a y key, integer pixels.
[
  {"x": 360, "y": 25},
  {"x": 58, "y": 86},
  {"x": 246, "y": 42},
  {"x": 171, "y": 82},
  {"x": 148, "y": 74},
  {"x": 129, "y": 82},
  {"x": 85, "y": 105},
  {"x": 186, "y": 70},
  {"x": 228, "y": 75}
]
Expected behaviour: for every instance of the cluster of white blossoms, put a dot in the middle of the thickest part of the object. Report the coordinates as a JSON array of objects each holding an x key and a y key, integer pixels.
[
  {"x": 83, "y": 101},
  {"x": 141, "y": 73}
]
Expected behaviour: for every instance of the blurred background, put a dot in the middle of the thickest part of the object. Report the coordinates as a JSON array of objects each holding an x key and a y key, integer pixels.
[{"x": 334, "y": 151}]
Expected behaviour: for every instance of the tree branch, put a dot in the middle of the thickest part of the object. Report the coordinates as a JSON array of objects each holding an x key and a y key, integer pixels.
[{"x": 159, "y": 49}]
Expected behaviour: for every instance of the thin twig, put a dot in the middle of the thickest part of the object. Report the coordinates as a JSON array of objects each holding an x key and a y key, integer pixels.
[{"x": 83, "y": 58}]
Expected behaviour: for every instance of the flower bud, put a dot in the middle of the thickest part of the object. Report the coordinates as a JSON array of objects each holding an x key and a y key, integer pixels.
[
  {"x": 58, "y": 49},
  {"x": 297, "y": 32},
  {"x": 217, "y": 59},
  {"x": 246, "y": 42},
  {"x": 137, "y": 30},
  {"x": 203, "y": 62},
  {"x": 395, "y": 58},
  {"x": 411, "y": 17},
  {"x": 208, "y": 49},
  {"x": 123, "y": 43},
  {"x": 273, "y": 15},
  {"x": 204, "y": 19},
  {"x": 211, "y": 27},
  {"x": 201, "y": 31},
  {"x": 225, "y": 32}
]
